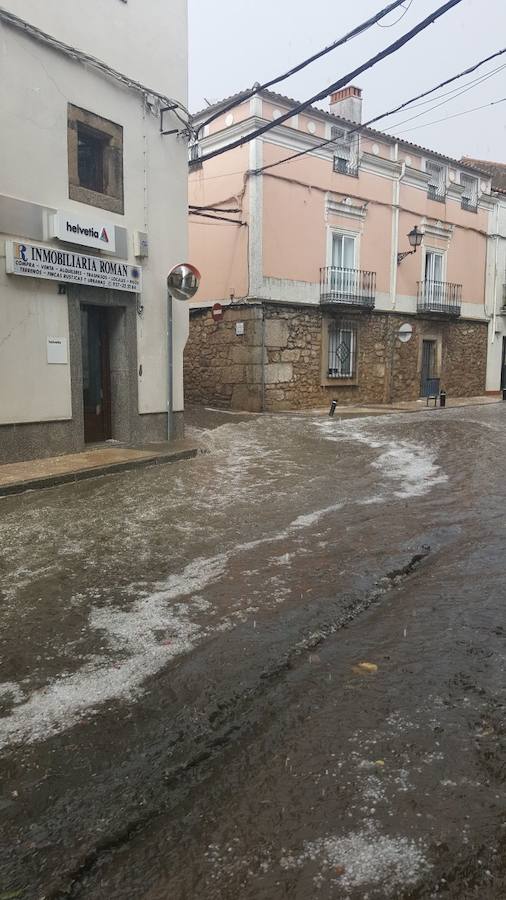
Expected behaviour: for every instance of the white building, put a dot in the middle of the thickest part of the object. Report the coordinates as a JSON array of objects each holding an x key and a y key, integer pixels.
[
  {"x": 495, "y": 293},
  {"x": 93, "y": 214}
]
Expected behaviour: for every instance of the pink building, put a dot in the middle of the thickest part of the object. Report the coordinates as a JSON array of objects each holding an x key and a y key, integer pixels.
[{"x": 319, "y": 302}]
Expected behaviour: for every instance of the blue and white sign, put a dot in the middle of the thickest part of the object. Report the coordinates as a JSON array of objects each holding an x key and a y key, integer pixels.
[{"x": 36, "y": 261}]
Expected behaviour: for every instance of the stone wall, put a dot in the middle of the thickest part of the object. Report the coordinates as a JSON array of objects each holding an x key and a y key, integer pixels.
[
  {"x": 226, "y": 370},
  {"x": 222, "y": 368}
]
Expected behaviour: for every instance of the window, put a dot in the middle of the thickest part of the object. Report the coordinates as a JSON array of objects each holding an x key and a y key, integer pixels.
[
  {"x": 95, "y": 160},
  {"x": 346, "y": 152},
  {"x": 195, "y": 154},
  {"x": 343, "y": 251},
  {"x": 470, "y": 193},
  {"x": 434, "y": 287},
  {"x": 437, "y": 183},
  {"x": 342, "y": 349},
  {"x": 90, "y": 159}
]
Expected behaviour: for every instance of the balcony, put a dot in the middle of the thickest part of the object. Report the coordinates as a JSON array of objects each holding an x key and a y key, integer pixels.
[
  {"x": 439, "y": 297},
  {"x": 437, "y": 192},
  {"x": 470, "y": 204},
  {"x": 347, "y": 287}
]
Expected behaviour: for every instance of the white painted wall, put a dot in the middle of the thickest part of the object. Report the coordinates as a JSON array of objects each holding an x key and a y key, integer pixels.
[
  {"x": 146, "y": 39},
  {"x": 36, "y": 84},
  {"x": 496, "y": 279}
]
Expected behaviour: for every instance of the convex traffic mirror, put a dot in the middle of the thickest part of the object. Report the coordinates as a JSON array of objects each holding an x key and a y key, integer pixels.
[{"x": 183, "y": 281}]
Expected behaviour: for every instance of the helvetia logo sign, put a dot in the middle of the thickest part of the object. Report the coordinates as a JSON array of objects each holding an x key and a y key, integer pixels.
[{"x": 89, "y": 232}]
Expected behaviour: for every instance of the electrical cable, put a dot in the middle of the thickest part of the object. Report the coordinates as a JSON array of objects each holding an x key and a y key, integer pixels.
[
  {"x": 456, "y": 90},
  {"x": 391, "y": 112},
  {"x": 459, "y": 93},
  {"x": 213, "y": 209},
  {"x": 211, "y": 216},
  {"x": 465, "y": 112},
  {"x": 406, "y": 10},
  {"x": 372, "y": 61},
  {"x": 245, "y": 95},
  {"x": 79, "y": 56}
]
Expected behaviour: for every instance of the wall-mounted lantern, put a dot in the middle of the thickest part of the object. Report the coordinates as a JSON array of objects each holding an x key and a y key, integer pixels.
[{"x": 415, "y": 238}]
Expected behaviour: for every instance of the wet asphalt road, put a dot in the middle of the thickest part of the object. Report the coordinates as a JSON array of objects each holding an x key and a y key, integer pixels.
[{"x": 184, "y": 709}]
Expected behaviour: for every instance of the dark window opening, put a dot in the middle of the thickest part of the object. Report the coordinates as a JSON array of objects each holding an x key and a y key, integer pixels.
[{"x": 90, "y": 159}]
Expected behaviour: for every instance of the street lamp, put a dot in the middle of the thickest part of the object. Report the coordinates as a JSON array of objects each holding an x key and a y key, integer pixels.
[
  {"x": 182, "y": 284},
  {"x": 415, "y": 238}
]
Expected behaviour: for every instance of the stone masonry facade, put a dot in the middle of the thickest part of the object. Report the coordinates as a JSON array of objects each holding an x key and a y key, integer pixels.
[{"x": 272, "y": 357}]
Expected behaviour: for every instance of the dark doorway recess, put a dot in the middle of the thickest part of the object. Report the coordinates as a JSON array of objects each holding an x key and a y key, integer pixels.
[{"x": 96, "y": 374}]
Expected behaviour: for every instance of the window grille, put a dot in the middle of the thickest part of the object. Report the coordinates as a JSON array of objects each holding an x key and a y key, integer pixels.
[
  {"x": 437, "y": 184},
  {"x": 342, "y": 349},
  {"x": 346, "y": 153},
  {"x": 470, "y": 194}
]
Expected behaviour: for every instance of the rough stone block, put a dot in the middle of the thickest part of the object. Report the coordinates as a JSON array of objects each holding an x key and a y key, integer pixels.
[
  {"x": 277, "y": 373},
  {"x": 276, "y": 333},
  {"x": 290, "y": 355}
]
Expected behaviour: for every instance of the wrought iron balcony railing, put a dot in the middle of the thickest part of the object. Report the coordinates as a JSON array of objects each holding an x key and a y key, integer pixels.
[
  {"x": 469, "y": 203},
  {"x": 345, "y": 166},
  {"x": 348, "y": 287},
  {"x": 436, "y": 192},
  {"x": 439, "y": 297}
]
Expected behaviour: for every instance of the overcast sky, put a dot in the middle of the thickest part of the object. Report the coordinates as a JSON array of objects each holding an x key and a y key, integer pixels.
[{"x": 234, "y": 43}]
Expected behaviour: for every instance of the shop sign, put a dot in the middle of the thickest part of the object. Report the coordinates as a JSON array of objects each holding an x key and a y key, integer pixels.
[
  {"x": 36, "y": 261},
  {"x": 74, "y": 229}
]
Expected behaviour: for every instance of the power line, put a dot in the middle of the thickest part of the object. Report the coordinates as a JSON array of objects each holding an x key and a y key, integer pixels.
[
  {"x": 456, "y": 94},
  {"x": 390, "y": 112},
  {"x": 465, "y": 112},
  {"x": 245, "y": 95},
  {"x": 79, "y": 56},
  {"x": 383, "y": 54},
  {"x": 212, "y": 216},
  {"x": 213, "y": 209},
  {"x": 406, "y": 10}
]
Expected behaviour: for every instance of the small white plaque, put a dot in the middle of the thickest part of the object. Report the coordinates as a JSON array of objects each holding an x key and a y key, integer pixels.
[
  {"x": 57, "y": 353},
  {"x": 239, "y": 328}
]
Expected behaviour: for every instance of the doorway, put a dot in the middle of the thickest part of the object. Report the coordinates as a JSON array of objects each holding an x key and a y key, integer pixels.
[
  {"x": 503, "y": 365},
  {"x": 429, "y": 366},
  {"x": 96, "y": 374}
]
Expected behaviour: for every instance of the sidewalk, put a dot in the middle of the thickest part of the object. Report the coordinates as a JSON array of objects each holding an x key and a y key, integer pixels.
[
  {"x": 42, "y": 473},
  {"x": 404, "y": 406}
]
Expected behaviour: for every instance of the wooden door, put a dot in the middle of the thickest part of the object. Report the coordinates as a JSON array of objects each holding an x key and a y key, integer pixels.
[{"x": 96, "y": 374}]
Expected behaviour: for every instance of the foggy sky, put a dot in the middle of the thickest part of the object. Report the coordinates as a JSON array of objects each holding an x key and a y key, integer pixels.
[{"x": 234, "y": 43}]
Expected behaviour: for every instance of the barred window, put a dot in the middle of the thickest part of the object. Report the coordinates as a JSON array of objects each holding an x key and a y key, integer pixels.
[
  {"x": 436, "y": 189},
  {"x": 342, "y": 349},
  {"x": 346, "y": 153},
  {"x": 470, "y": 192}
]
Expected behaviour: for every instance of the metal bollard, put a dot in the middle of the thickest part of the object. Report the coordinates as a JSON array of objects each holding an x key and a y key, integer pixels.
[
  {"x": 504, "y": 393},
  {"x": 332, "y": 407},
  {"x": 442, "y": 399}
]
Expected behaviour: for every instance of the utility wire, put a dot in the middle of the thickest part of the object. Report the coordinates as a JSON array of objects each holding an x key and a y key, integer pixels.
[
  {"x": 79, "y": 56},
  {"x": 465, "y": 112},
  {"x": 213, "y": 209},
  {"x": 390, "y": 112},
  {"x": 245, "y": 95},
  {"x": 406, "y": 10},
  {"x": 457, "y": 94},
  {"x": 372, "y": 61},
  {"x": 211, "y": 216},
  {"x": 456, "y": 91}
]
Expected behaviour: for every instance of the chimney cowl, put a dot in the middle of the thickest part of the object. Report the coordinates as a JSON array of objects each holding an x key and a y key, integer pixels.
[{"x": 347, "y": 103}]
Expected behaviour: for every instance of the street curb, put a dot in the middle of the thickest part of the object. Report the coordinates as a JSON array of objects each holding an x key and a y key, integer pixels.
[{"x": 48, "y": 481}]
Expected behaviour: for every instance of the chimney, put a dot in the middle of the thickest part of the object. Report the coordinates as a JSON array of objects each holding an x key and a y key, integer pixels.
[{"x": 347, "y": 103}]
